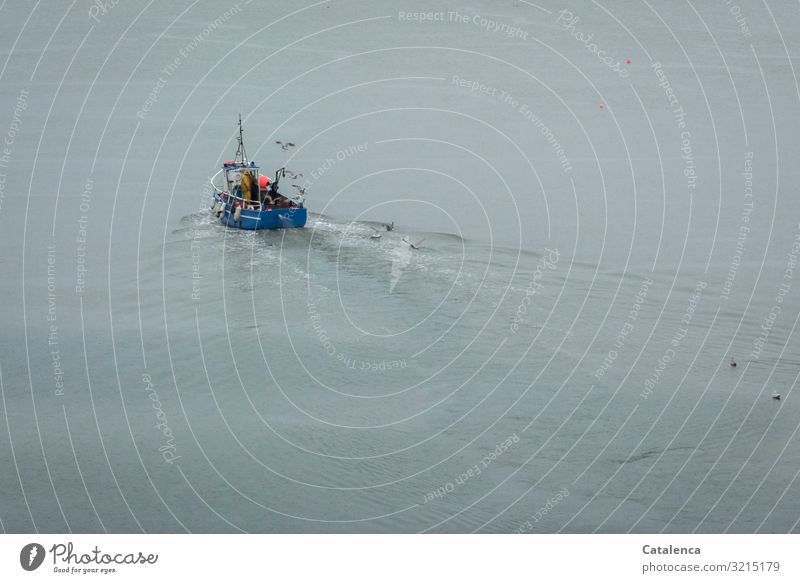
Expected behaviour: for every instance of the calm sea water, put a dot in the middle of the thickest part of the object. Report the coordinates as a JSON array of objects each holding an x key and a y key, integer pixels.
[{"x": 606, "y": 221}]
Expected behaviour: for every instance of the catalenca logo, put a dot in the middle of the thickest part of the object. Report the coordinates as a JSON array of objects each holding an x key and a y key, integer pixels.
[{"x": 31, "y": 556}]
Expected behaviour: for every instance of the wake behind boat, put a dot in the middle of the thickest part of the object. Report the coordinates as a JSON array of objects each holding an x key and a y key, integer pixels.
[{"x": 246, "y": 199}]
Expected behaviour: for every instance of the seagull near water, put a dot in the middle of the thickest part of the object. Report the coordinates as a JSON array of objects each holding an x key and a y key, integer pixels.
[
  {"x": 389, "y": 226},
  {"x": 285, "y": 145},
  {"x": 415, "y": 244},
  {"x": 733, "y": 363},
  {"x": 376, "y": 234}
]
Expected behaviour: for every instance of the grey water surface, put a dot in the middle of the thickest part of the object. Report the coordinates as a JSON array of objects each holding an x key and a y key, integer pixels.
[{"x": 607, "y": 194}]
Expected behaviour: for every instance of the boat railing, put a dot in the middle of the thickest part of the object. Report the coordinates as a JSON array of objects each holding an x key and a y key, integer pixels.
[
  {"x": 216, "y": 188},
  {"x": 243, "y": 202},
  {"x": 297, "y": 202}
]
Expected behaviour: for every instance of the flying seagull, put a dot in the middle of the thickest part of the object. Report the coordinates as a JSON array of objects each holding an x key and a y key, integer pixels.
[
  {"x": 299, "y": 189},
  {"x": 293, "y": 175},
  {"x": 285, "y": 146},
  {"x": 415, "y": 244}
]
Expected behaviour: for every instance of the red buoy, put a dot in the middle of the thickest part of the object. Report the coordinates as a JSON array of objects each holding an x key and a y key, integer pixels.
[{"x": 263, "y": 182}]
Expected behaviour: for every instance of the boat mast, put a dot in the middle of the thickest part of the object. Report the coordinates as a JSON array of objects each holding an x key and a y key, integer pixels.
[{"x": 241, "y": 155}]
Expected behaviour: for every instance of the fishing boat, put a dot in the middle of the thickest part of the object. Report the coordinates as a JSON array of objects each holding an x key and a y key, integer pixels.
[{"x": 246, "y": 199}]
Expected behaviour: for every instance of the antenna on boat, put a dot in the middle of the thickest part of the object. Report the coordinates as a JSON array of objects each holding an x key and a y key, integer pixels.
[{"x": 241, "y": 155}]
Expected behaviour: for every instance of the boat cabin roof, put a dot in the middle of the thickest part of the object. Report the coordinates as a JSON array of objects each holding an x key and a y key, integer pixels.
[{"x": 239, "y": 165}]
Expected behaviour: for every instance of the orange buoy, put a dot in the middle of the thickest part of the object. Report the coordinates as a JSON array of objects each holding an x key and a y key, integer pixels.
[{"x": 263, "y": 182}]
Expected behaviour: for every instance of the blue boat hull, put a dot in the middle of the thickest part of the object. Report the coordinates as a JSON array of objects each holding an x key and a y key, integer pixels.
[{"x": 276, "y": 218}]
